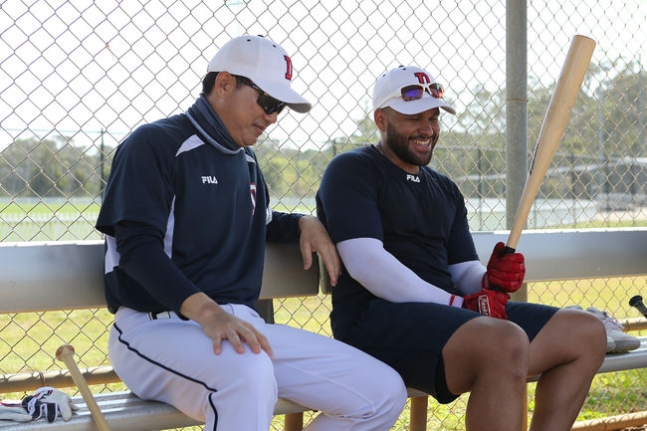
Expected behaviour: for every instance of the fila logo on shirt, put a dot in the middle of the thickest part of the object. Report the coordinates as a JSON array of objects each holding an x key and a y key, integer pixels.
[
  {"x": 413, "y": 178},
  {"x": 209, "y": 179}
]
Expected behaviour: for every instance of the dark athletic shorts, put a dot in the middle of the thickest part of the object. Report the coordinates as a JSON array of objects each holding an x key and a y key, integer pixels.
[{"x": 399, "y": 335}]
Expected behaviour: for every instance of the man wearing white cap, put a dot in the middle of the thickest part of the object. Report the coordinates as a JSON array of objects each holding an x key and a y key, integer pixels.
[
  {"x": 186, "y": 216},
  {"x": 414, "y": 293}
]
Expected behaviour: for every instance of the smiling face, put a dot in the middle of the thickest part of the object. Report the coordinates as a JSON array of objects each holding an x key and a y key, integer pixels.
[
  {"x": 236, "y": 105},
  {"x": 408, "y": 140}
]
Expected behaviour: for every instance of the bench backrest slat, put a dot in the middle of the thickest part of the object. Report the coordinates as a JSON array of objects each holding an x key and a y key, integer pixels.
[
  {"x": 553, "y": 255},
  {"x": 37, "y": 276}
]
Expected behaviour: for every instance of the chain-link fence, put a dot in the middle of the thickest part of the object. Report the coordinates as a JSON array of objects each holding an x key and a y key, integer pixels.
[{"x": 78, "y": 76}]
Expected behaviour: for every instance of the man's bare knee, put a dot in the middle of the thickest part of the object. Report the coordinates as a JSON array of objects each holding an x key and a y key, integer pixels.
[
  {"x": 571, "y": 335},
  {"x": 485, "y": 347}
]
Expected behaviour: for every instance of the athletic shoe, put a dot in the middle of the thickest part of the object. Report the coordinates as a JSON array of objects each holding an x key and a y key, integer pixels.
[{"x": 618, "y": 341}]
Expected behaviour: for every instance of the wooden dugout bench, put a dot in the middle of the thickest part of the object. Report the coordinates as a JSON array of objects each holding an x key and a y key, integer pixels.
[{"x": 45, "y": 276}]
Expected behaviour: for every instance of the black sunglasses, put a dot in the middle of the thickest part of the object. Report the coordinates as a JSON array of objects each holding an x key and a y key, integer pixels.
[{"x": 269, "y": 104}]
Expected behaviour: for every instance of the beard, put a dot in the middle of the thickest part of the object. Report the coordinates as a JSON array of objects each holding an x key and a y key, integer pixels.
[{"x": 399, "y": 144}]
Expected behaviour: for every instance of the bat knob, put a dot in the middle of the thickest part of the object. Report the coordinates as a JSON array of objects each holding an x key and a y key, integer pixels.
[
  {"x": 636, "y": 300},
  {"x": 508, "y": 250},
  {"x": 637, "y": 303},
  {"x": 64, "y": 350}
]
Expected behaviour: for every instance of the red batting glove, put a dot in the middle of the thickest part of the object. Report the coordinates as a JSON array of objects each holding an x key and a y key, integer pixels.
[
  {"x": 487, "y": 302},
  {"x": 505, "y": 271}
]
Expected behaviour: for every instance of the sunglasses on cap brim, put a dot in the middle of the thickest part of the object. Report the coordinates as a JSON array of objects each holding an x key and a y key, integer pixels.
[{"x": 412, "y": 92}]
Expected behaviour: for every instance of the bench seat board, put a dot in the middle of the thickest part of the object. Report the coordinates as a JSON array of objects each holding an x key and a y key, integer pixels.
[
  {"x": 126, "y": 412},
  {"x": 626, "y": 361}
]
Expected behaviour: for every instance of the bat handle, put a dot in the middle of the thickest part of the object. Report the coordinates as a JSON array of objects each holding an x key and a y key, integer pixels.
[
  {"x": 637, "y": 302},
  {"x": 508, "y": 250},
  {"x": 65, "y": 353}
]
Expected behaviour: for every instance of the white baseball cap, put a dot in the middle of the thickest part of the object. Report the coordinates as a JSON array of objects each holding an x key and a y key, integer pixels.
[
  {"x": 424, "y": 93},
  {"x": 263, "y": 62}
]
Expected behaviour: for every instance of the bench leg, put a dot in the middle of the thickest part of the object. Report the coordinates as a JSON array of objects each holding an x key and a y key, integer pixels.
[
  {"x": 294, "y": 422},
  {"x": 418, "y": 414}
]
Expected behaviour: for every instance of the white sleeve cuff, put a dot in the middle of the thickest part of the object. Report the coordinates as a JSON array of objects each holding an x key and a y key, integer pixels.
[{"x": 467, "y": 276}]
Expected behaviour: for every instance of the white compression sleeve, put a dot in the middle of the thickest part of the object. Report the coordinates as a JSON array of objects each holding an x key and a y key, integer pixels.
[
  {"x": 467, "y": 276},
  {"x": 385, "y": 277}
]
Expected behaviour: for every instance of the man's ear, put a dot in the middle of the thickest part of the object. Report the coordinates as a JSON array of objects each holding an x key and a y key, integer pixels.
[
  {"x": 225, "y": 84},
  {"x": 379, "y": 117}
]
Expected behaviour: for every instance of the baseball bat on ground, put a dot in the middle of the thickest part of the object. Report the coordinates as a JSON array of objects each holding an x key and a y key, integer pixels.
[
  {"x": 65, "y": 353},
  {"x": 637, "y": 302},
  {"x": 553, "y": 127}
]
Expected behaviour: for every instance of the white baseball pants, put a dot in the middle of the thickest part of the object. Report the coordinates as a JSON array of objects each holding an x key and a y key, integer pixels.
[{"x": 171, "y": 360}]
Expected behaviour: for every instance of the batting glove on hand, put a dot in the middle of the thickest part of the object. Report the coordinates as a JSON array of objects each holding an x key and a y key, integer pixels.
[
  {"x": 505, "y": 271},
  {"x": 487, "y": 302},
  {"x": 49, "y": 403}
]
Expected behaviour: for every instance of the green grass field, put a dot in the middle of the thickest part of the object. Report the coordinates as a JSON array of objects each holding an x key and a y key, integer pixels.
[{"x": 28, "y": 207}]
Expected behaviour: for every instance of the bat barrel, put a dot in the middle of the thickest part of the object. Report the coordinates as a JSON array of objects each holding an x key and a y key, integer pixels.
[{"x": 552, "y": 129}]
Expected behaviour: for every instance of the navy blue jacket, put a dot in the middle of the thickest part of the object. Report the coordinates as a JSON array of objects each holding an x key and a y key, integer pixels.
[{"x": 183, "y": 213}]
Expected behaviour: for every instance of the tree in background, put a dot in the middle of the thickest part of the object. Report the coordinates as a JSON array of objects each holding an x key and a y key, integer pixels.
[
  {"x": 52, "y": 167},
  {"x": 600, "y": 151}
]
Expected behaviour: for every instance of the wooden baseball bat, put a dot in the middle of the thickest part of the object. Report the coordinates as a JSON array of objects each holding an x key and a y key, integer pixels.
[
  {"x": 65, "y": 353},
  {"x": 552, "y": 129}
]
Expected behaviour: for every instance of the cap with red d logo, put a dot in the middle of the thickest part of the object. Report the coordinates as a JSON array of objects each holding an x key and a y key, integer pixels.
[{"x": 265, "y": 63}]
